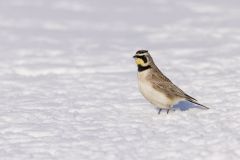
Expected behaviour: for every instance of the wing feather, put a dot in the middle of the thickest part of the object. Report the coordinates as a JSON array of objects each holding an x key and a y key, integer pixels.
[{"x": 162, "y": 83}]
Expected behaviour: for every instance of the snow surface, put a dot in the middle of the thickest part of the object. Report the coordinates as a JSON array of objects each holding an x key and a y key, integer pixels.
[{"x": 69, "y": 87}]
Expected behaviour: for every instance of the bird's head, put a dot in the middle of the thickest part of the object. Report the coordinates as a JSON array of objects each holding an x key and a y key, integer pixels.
[{"x": 143, "y": 60}]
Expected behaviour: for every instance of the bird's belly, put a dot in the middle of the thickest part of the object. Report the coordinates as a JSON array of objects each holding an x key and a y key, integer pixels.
[{"x": 157, "y": 98}]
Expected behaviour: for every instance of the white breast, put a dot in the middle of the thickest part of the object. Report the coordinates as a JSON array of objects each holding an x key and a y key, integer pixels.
[{"x": 158, "y": 99}]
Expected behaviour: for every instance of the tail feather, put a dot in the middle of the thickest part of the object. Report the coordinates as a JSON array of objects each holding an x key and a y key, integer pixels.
[
  {"x": 189, "y": 97},
  {"x": 195, "y": 102}
]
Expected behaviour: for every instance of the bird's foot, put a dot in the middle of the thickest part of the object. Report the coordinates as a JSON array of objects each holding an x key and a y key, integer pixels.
[
  {"x": 159, "y": 111},
  {"x": 168, "y": 111}
]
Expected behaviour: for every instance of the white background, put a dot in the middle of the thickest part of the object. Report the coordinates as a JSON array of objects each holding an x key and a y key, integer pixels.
[{"x": 69, "y": 89}]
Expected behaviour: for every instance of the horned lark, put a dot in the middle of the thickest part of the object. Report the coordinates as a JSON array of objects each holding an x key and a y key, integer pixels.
[{"x": 156, "y": 87}]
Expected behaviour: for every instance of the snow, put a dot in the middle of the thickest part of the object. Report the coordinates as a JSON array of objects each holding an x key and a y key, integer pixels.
[{"x": 69, "y": 87}]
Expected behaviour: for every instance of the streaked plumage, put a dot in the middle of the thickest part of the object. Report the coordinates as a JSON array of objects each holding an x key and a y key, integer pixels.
[{"x": 156, "y": 87}]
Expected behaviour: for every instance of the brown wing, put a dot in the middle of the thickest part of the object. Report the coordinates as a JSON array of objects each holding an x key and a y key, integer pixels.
[{"x": 162, "y": 83}]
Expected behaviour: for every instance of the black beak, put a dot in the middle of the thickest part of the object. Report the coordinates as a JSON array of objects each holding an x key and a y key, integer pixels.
[{"x": 134, "y": 56}]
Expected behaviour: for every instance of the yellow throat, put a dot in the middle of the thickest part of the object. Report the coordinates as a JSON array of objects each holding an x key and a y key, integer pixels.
[{"x": 139, "y": 61}]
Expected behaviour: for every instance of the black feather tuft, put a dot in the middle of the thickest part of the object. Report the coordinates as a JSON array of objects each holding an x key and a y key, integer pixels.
[{"x": 141, "y": 51}]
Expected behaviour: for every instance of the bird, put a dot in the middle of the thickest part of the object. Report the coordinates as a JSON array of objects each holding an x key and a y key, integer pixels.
[{"x": 156, "y": 87}]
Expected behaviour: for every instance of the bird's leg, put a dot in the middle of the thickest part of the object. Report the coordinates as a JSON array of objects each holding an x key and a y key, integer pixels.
[
  {"x": 168, "y": 111},
  {"x": 159, "y": 110},
  {"x": 169, "y": 106}
]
